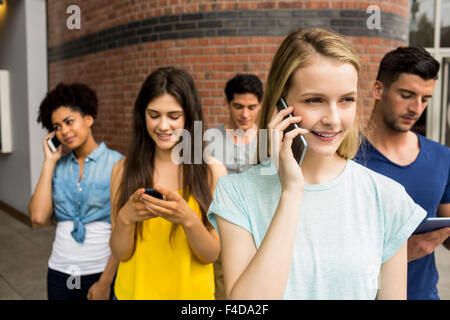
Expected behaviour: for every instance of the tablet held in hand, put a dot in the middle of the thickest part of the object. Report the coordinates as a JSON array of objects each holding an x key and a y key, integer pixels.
[{"x": 431, "y": 224}]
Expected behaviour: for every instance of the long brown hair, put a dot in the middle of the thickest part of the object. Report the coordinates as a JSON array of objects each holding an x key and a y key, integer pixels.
[{"x": 139, "y": 164}]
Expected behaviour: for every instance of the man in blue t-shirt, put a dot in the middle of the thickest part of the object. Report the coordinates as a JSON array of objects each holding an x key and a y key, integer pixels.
[{"x": 404, "y": 86}]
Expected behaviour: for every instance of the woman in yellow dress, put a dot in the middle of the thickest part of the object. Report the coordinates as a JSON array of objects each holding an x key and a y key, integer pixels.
[{"x": 166, "y": 246}]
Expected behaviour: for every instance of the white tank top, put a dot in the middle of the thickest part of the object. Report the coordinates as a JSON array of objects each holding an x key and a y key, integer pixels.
[{"x": 87, "y": 258}]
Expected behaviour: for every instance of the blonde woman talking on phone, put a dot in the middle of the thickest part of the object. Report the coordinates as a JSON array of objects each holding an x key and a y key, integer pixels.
[{"x": 330, "y": 228}]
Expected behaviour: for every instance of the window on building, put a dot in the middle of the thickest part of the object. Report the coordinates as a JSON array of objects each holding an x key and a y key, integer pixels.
[
  {"x": 429, "y": 27},
  {"x": 421, "y": 24},
  {"x": 445, "y": 24}
]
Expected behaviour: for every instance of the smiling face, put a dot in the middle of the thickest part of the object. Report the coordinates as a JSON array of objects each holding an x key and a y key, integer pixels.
[
  {"x": 324, "y": 94},
  {"x": 72, "y": 128},
  {"x": 402, "y": 103},
  {"x": 163, "y": 116}
]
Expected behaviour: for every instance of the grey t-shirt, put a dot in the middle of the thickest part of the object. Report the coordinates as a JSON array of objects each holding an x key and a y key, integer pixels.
[{"x": 236, "y": 157}]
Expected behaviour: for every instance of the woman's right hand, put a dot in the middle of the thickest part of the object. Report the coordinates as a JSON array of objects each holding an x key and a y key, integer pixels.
[
  {"x": 135, "y": 209},
  {"x": 290, "y": 173},
  {"x": 49, "y": 154}
]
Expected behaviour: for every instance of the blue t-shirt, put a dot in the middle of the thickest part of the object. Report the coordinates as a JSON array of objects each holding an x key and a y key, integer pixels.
[
  {"x": 88, "y": 200},
  {"x": 427, "y": 181},
  {"x": 347, "y": 227}
]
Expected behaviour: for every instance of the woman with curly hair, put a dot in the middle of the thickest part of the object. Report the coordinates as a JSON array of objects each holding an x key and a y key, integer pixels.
[{"x": 75, "y": 187}]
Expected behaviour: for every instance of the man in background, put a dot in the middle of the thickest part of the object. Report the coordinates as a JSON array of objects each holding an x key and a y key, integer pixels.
[
  {"x": 236, "y": 147},
  {"x": 402, "y": 90}
]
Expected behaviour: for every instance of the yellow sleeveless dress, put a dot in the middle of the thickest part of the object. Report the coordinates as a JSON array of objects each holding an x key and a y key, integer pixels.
[{"x": 163, "y": 269}]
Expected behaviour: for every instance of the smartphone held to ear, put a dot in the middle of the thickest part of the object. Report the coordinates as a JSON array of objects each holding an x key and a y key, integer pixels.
[
  {"x": 53, "y": 143},
  {"x": 299, "y": 144}
]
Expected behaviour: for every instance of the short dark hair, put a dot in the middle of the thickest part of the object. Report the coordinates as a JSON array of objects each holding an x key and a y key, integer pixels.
[
  {"x": 412, "y": 60},
  {"x": 244, "y": 83},
  {"x": 76, "y": 96}
]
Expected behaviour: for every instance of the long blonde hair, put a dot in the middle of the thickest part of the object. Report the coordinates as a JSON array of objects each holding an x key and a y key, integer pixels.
[{"x": 295, "y": 52}]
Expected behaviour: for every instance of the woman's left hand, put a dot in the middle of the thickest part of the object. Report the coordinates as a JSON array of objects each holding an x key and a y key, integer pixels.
[
  {"x": 173, "y": 208},
  {"x": 100, "y": 290}
]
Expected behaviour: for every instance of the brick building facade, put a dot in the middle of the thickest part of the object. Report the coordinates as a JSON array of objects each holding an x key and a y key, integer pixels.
[{"x": 121, "y": 41}]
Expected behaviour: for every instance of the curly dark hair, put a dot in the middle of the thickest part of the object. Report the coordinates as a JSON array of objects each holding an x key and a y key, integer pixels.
[
  {"x": 244, "y": 83},
  {"x": 412, "y": 60},
  {"x": 76, "y": 96}
]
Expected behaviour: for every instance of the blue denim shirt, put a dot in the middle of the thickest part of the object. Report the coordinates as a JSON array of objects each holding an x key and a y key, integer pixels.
[{"x": 88, "y": 200}]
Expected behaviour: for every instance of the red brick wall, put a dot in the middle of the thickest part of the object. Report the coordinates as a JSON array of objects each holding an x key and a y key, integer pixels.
[
  {"x": 117, "y": 74},
  {"x": 101, "y": 14}
]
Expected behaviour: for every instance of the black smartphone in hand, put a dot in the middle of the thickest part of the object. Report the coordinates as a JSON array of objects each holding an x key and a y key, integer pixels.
[
  {"x": 152, "y": 192},
  {"x": 53, "y": 143},
  {"x": 299, "y": 144}
]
